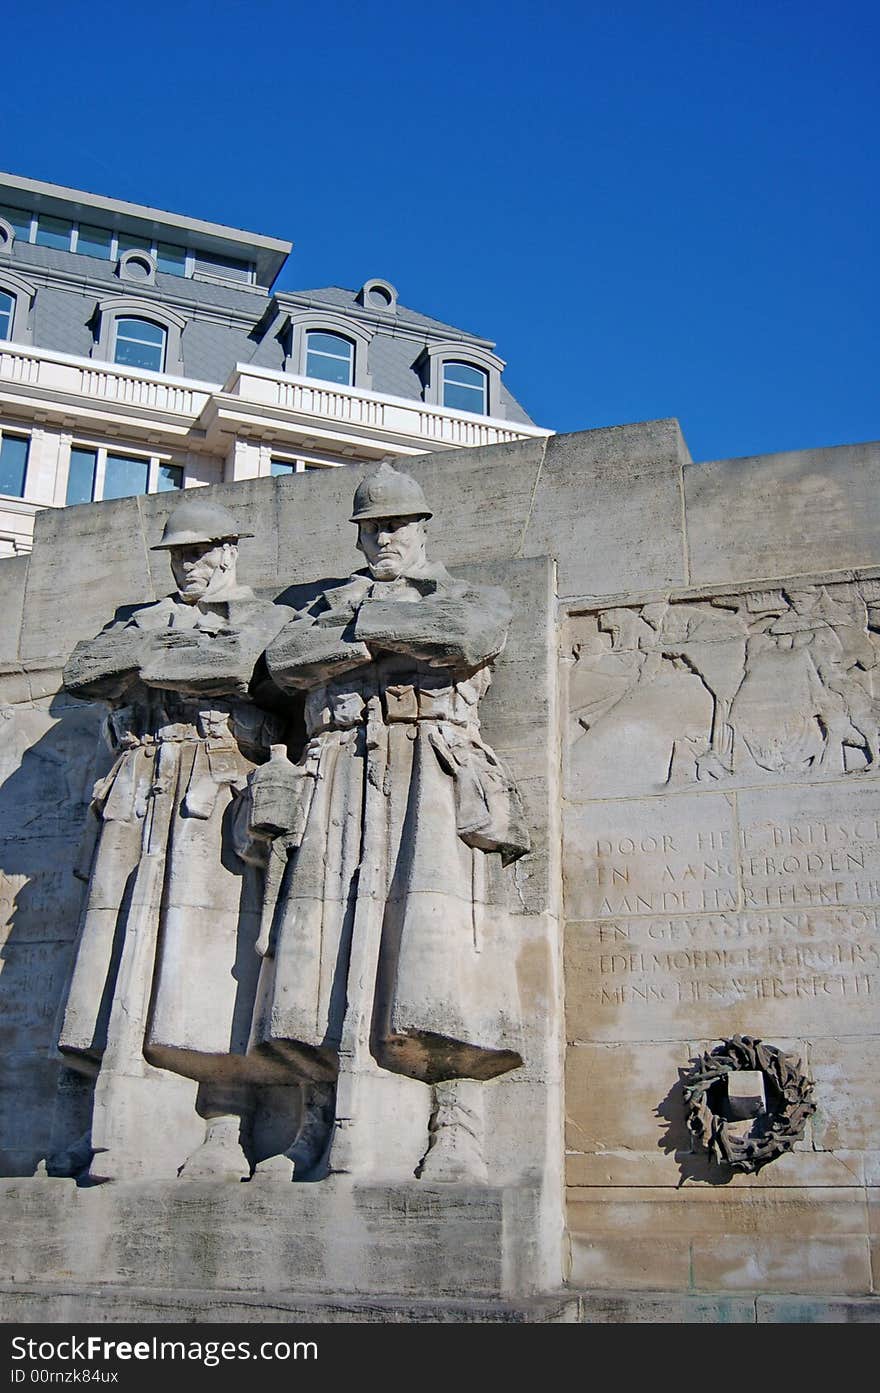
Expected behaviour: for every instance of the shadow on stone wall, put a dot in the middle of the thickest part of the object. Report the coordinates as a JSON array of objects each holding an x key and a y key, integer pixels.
[
  {"x": 50, "y": 755},
  {"x": 678, "y": 1142}
]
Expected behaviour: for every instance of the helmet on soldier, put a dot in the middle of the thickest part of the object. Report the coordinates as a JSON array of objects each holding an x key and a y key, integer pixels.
[
  {"x": 196, "y": 521},
  {"x": 389, "y": 494}
]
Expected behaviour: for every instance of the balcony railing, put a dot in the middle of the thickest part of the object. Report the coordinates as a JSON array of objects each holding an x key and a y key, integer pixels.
[
  {"x": 66, "y": 380},
  {"x": 16, "y": 366},
  {"x": 142, "y": 391},
  {"x": 62, "y": 375},
  {"x": 373, "y": 411}
]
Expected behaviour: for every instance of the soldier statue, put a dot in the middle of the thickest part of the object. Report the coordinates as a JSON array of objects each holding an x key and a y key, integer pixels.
[
  {"x": 389, "y": 954},
  {"x": 165, "y": 966}
]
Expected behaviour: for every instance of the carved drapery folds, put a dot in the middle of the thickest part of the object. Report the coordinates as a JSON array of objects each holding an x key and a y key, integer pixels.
[
  {"x": 162, "y": 972},
  {"x": 746, "y": 686},
  {"x": 388, "y": 955},
  {"x": 334, "y": 923}
]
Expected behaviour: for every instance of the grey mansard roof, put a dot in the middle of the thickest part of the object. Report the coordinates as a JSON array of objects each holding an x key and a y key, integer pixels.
[
  {"x": 339, "y": 298},
  {"x": 227, "y": 323}
]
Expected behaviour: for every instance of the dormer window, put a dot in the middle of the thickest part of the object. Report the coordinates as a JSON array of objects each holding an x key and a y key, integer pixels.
[
  {"x": 7, "y": 314},
  {"x": 378, "y": 295},
  {"x": 137, "y": 266},
  {"x": 465, "y": 388},
  {"x": 140, "y": 344},
  {"x": 324, "y": 345},
  {"x": 16, "y": 298},
  {"x": 462, "y": 377},
  {"x": 329, "y": 357},
  {"x": 138, "y": 333}
]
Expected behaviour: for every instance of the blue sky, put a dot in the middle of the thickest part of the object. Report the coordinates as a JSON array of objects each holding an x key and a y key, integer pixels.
[{"x": 654, "y": 209}]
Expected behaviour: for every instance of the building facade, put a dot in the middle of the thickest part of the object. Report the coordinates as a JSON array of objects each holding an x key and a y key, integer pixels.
[{"x": 143, "y": 351}]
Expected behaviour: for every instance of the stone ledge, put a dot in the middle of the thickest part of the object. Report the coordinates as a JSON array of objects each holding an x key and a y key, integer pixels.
[
  {"x": 368, "y": 1241},
  {"x": 64, "y": 1303},
  {"x": 670, "y": 1308}
]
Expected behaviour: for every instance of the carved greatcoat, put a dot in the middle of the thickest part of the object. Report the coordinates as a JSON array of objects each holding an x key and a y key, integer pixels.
[
  {"x": 165, "y": 954},
  {"x": 405, "y": 819}
]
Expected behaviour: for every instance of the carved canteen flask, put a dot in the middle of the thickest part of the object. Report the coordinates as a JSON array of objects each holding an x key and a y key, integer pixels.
[{"x": 275, "y": 793}]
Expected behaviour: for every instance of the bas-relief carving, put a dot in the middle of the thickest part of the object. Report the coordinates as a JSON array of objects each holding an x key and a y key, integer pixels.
[
  {"x": 334, "y": 928},
  {"x": 752, "y": 882},
  {"x": 768, "y": 683}
]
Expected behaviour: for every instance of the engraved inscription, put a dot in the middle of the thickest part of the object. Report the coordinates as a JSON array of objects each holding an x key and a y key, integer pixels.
[
  {"x": 810, "y": 970},
  {"x": 774, "y": 908},
  {"x": 651, "y": 856},
  {"x": 741, "y": 957}
]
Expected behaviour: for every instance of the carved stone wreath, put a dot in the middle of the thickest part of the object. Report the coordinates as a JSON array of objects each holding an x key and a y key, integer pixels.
[{"x": 789, "y": 1103}]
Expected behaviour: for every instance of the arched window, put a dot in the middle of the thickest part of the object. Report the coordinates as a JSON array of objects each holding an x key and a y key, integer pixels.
[
  {"x": 329, "y": 357},
  {"x": 464, "y": 387},
  {"x": 7, "y": 315},
  {"x": 140, "y": 344},
  {"x": 138, "y": 334},
  {"x": 16, "y": 298},
  {"x": 461, "y": 376}
]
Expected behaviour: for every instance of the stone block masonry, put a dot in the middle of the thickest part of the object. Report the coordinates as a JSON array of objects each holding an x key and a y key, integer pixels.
[{"x": 688, "y": 702}]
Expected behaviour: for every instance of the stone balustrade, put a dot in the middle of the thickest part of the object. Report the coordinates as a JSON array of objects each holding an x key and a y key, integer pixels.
[
  {"x": 71, "y": 378},
  {"x": 435, "y": 425},
  {"x": 86, "y": 385}
]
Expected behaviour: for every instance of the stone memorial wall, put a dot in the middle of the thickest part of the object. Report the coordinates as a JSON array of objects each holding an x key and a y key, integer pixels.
[{"x": 687, "y": 706}]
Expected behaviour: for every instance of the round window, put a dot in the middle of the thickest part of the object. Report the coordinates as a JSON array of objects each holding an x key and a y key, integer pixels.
[{"x": 379, "y": 297}]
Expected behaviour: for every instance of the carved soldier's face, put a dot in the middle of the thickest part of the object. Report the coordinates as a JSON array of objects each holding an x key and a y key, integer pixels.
[
  {"x": 202, "y": 571},
  {"x": 393, "y": 546},
  {"x": 802, "y": 601}
]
